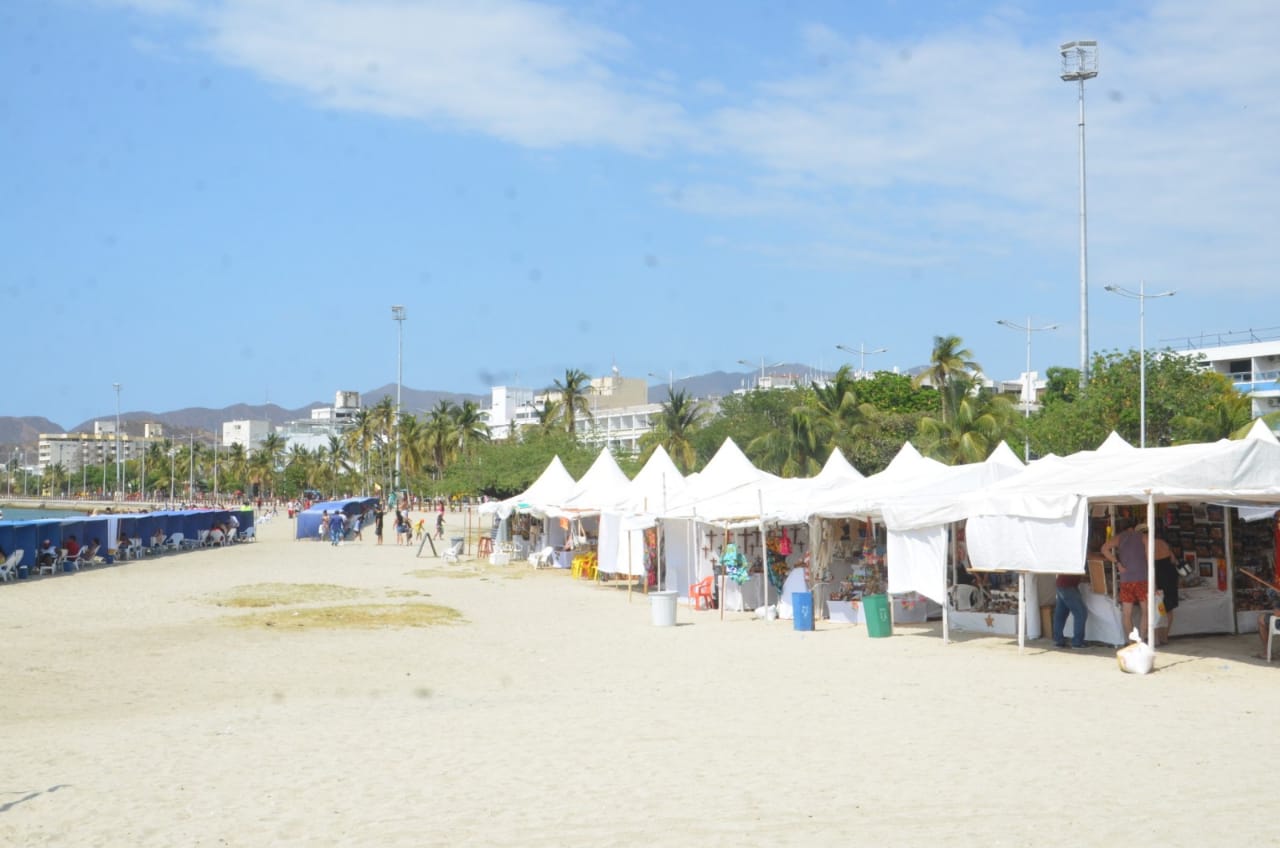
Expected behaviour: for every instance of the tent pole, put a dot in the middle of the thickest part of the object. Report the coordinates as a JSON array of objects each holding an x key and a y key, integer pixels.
[
  {"x": 1151, "y": 571},
  {"x": 946, "y": 594},
  {"x": 1231, "y": 567},
  {"x": 764, "y": 548},
  {"x": 1022, "y": 610}
]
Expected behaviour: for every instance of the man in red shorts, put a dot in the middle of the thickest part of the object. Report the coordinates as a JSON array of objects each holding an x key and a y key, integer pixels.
[{"x": 1128, "y": 550}]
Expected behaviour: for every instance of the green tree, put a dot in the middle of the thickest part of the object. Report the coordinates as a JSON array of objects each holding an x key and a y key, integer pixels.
[
  {"x": 573, "y": 397},
  {"x": 1183, "y": 404},
  {"x": 678, "y": 420},
  {"x": 469, "y": 427},
  {"x": 978, "y": 423},
  {"x": 951, "y": 370}
]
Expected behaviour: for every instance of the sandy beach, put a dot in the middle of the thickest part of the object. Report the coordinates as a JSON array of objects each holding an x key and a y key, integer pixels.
[{"x": 140, "y": 709}]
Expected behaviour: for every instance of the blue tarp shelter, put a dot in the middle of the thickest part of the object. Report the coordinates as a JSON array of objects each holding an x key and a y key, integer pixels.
[{"x": 308, "y": 525}]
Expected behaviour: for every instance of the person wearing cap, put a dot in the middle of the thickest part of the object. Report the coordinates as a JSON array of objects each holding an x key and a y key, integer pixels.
[{"x": 1128, "y": 551}]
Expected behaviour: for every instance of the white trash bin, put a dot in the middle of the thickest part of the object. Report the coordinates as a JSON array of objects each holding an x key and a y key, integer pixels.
[{"x": 662, "y": 606}]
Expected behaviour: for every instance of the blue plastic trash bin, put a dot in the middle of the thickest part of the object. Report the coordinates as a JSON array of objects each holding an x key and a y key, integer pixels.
[{"x": 802, "y": 610}]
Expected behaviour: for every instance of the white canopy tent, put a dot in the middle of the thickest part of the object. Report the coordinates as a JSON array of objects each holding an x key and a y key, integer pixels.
[
  {"x": 1037, "y": 521},
  {"x": 623, "y": 522},
  {"x": 552, "y": 486}
]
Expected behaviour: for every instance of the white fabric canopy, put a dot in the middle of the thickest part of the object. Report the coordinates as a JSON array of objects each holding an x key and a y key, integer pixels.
[
  {"x": 602, "y": 485},
  {"x": 551, "y": 487}
]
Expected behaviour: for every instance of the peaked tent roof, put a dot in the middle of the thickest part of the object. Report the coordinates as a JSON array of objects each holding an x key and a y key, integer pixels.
[
  {"x": 551, "y": 486},
  {"x": 658, "y": 482},
  {"x": 602, "y": 485}
]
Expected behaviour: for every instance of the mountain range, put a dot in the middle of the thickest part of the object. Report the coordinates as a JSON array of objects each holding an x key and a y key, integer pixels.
[{"x": 24, "y": 431}]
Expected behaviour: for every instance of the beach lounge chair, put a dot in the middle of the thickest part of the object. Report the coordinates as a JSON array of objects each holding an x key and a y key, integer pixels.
[
  {"x": 173, "y": 543},
  {"x": 9, "y": 569},
  {"x": 63, "y": 559},
  {"x": 88, "y": 556},
  {"x": 454, "y": 553},
  {"x": 544, "y": 558},
  {"x": 248, "y": 535}
]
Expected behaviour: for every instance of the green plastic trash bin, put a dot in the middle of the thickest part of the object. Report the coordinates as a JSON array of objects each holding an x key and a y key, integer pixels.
[{"x": 875, "y": 609}]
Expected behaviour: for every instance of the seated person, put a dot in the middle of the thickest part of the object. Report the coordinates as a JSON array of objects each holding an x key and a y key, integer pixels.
[
  {"x": 73, "y": 547},
  {"x": 157, "y": 538},
  {"x": 216, "y": 535},
  {"x": 47, "y": 555},
  {"x": 123, "y": 544},
  {"x": 90, "y": 551}
]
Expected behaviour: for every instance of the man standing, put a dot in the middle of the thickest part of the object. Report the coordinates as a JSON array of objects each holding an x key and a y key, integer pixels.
[
  {"x": 1128, "y": 551},
  {"x": 1069, "y": 601},
  {"x": 337, "y": 527}
]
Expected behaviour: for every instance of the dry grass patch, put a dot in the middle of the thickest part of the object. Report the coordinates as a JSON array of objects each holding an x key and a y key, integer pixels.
[
  {"x": 355, "y": 617},
  {"x": 283, "y": 594},
  {"x": 476, "y": 568}
]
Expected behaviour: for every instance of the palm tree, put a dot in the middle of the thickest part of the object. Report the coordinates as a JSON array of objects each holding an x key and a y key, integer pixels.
[
  {"x": 438, "y": 436},
  {"x": 1229, "y": 416},
  {"x": 948, "y": 363},
  {"x": 979, "y": 422},
  {"x": 469, "y": 427},
  {"x": 236, "y": 466},
  {"x": 841, "y": 419},
  {"x": 413, "y": 445},
  {"x": 794, "y": 451},
  {"x": 573, "y": 397},
  {"x": 679, "y": 419}
]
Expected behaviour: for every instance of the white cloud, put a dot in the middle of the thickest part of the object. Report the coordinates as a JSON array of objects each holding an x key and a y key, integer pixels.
[
  {"x": 523, "y": 72},
  {"x": 965, "y": 131}
]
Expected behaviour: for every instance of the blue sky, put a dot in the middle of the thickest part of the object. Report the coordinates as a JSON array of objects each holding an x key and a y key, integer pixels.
[{"x": 217, "y": 201}]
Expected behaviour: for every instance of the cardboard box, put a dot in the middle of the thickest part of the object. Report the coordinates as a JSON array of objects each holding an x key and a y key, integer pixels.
[{"x": 1097, "y": 568}]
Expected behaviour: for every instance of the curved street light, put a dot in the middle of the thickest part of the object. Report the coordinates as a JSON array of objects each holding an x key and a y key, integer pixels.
[
  {"x": 1142, "y": 297},
  {"x": 862, "y": 356},
  {"x": 1026, "y": 436},
  {"x": 762, "y": 367}
]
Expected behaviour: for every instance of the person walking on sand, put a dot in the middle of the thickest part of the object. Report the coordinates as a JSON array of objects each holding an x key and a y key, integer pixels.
[
  {"x": 337, "y": 528},
  {"x": 378, "y": 514},
  {"x": 440, "y": 525}
]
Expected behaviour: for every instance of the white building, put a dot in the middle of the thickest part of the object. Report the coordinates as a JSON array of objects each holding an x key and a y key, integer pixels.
[
  {"x": 74, "y": 451},
  {"x": 248, "y": 434},
  {"x": 510, "y": 408},
  {"x": 1253, "y": 367},
  {"x": 325, "y": 421}
]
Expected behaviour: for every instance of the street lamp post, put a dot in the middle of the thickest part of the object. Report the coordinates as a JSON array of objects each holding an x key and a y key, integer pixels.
[
  {"x": 1080, "y": 63},
  {"x": 1142, "y": 297},
  {"x": 862, "y": 356},
  {"x": 116, "y": 386},
  {"x": 762, "y": 367},
  {"x": 173, "y": 471},
  {"x": 671, "y": 381},
  {"x": 191, "y": 470},
  {"x": 1030, "y": 391},
  {"x": 397, "y": 315}
]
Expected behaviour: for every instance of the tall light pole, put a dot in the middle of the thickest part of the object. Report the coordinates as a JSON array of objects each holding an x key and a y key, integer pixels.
[
  {"x": 1142, "y": 297},
  {"x": 173, "y": 471},
  {"x": 191, "y": 472},
  {"x": 762, "y": 367},
  {"x": 116, "y": 386},
  {"x": 1079, "y": 63},
  {"x": 671, "y": 382},
  {"x": 862, "y": 356},
  {"x": 1030, "y": 391},
  {"x": 397, "y": 315},
  {"x": 84, "y": 467}
]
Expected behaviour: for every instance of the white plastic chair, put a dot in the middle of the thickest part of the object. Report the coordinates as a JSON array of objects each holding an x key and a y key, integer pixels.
[
  {"x": 454, "y": 553},
  {"x": 1272, "y": 633},
  {"x": 9, "y": 569},
  {"x": 174, "y": 542}
]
